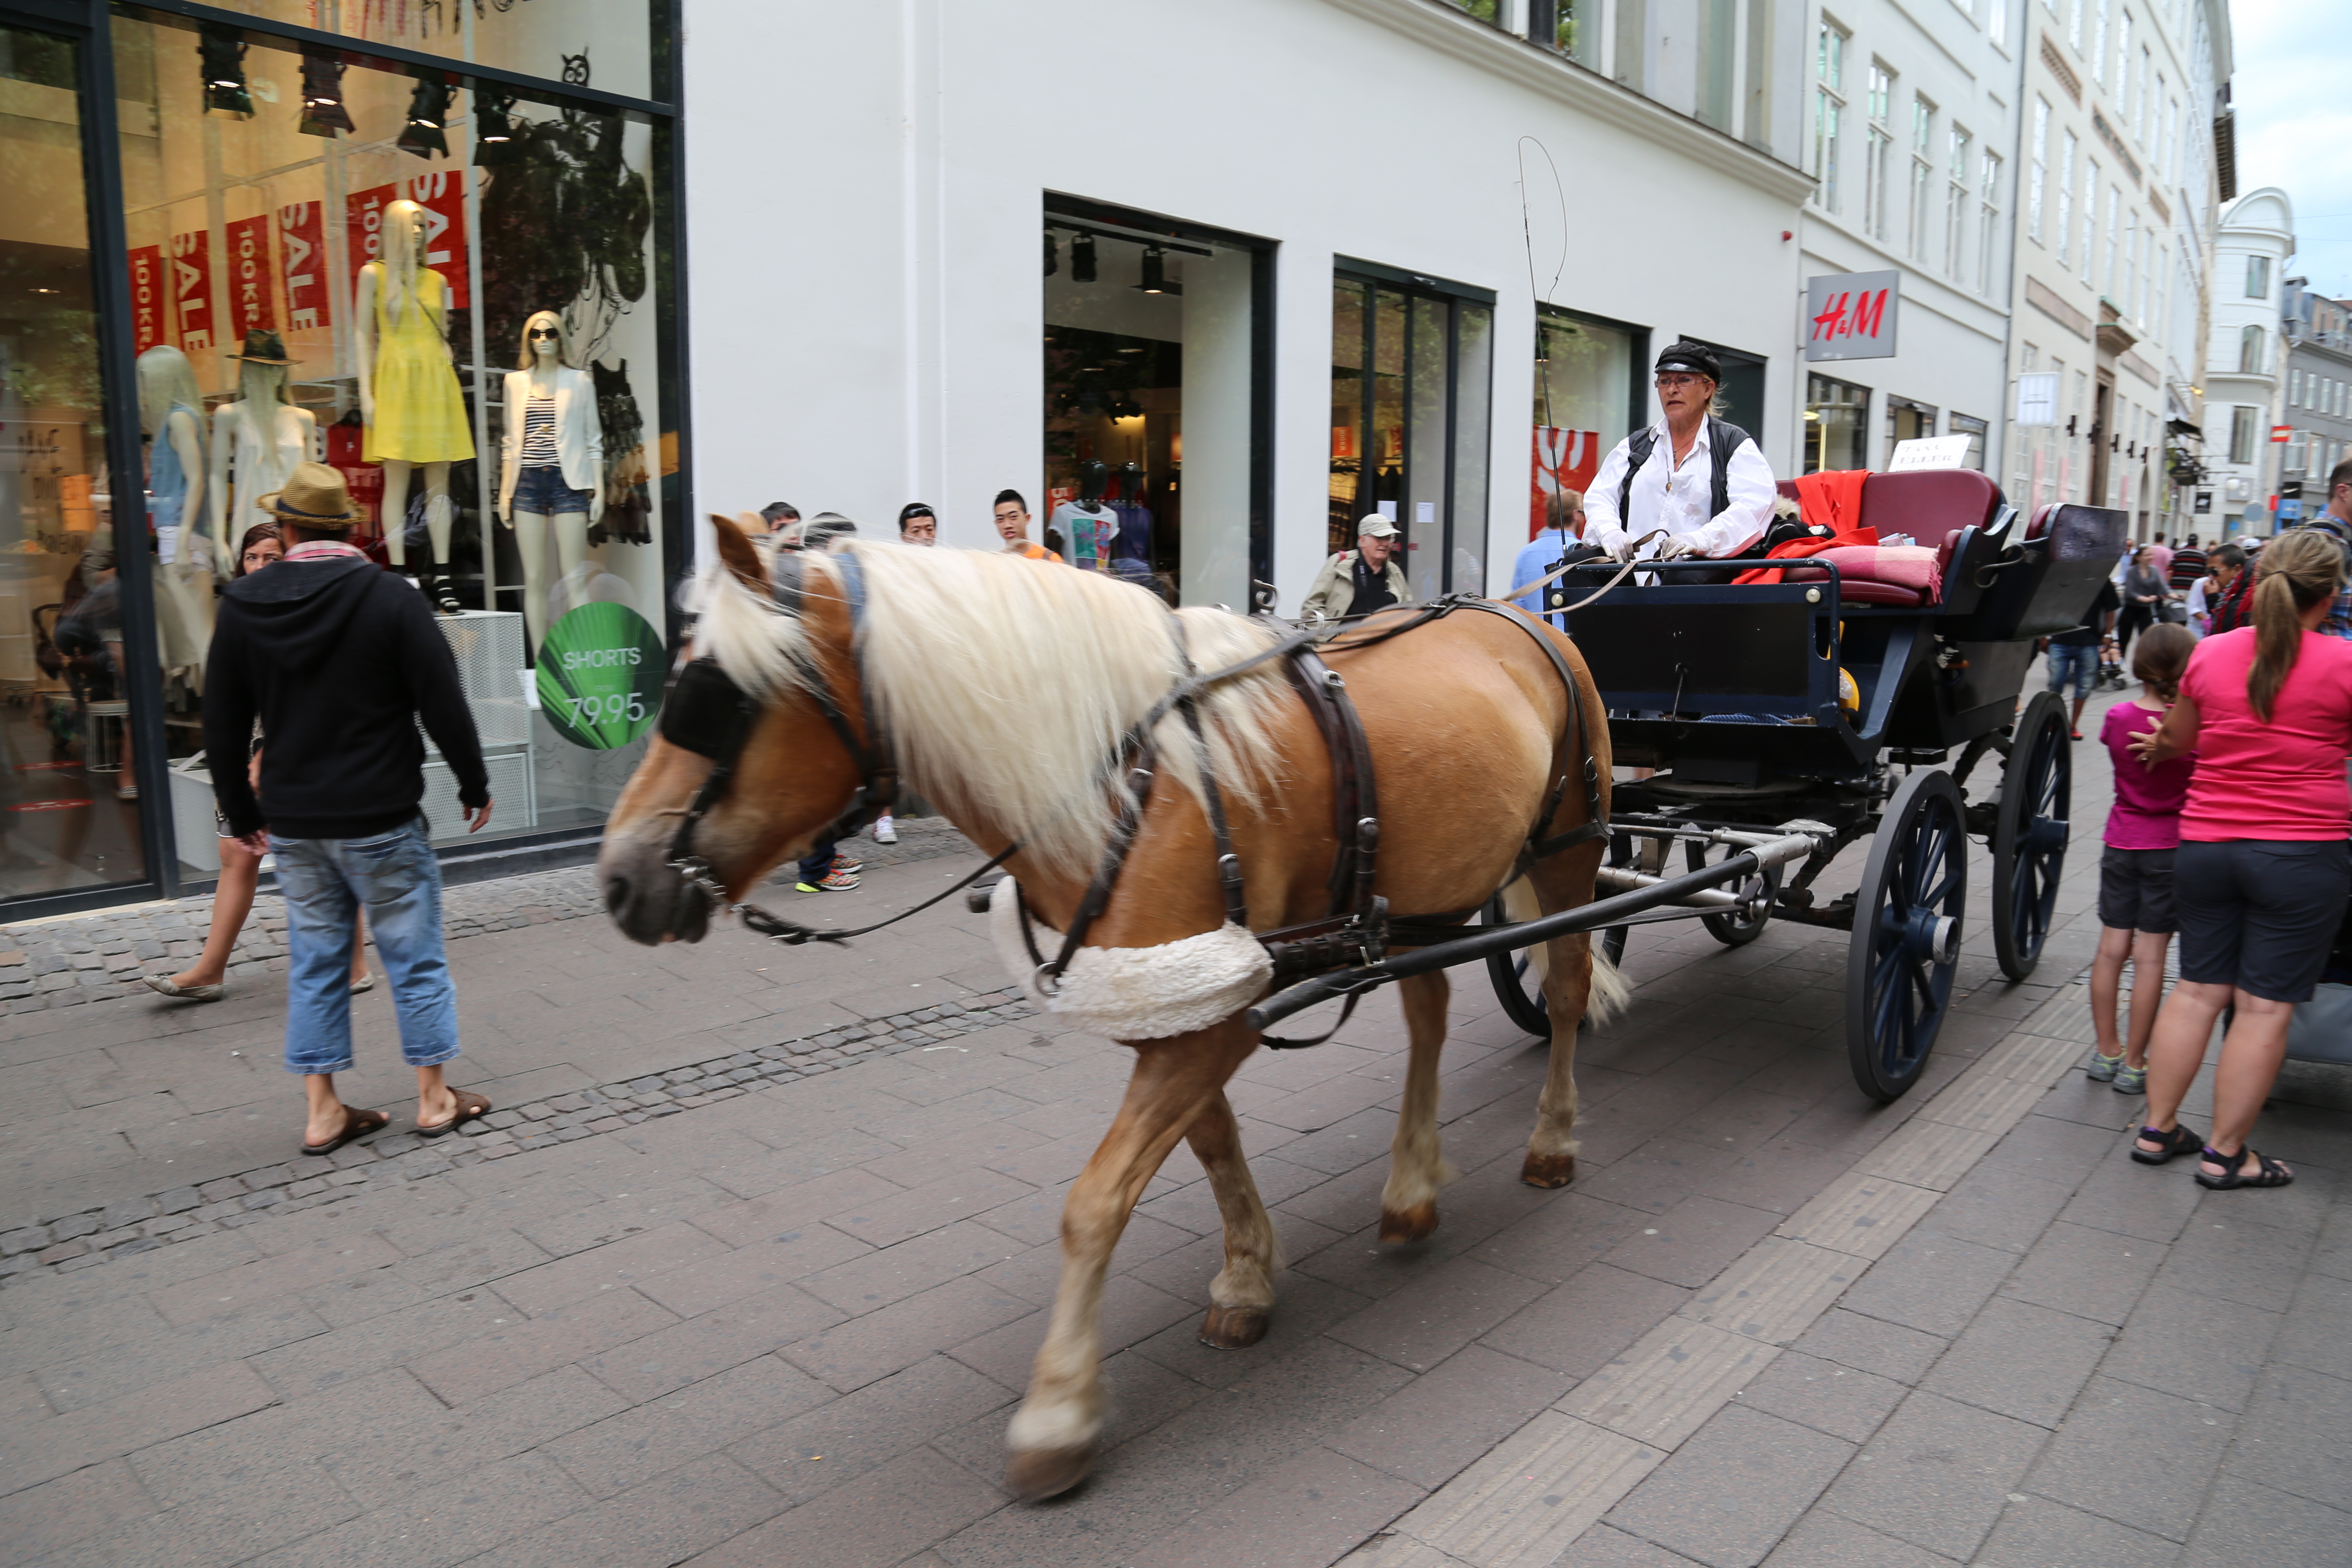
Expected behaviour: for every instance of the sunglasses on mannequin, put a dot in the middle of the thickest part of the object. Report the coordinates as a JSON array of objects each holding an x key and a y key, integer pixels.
[{"x": 538, "y": 333}]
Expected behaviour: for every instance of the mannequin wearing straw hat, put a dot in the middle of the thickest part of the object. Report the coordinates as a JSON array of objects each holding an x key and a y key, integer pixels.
[
  {"x": 257, "y": 442},
  {"x": 412, "y": 411}
]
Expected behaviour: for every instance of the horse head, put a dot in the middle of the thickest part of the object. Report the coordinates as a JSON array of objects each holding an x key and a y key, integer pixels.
[{"x": 748, "y": 766}]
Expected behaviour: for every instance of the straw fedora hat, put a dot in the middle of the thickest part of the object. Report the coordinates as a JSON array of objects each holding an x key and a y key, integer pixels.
[
  {"x": 314, "y": 497},
  {"x": 264, "y": 347}
]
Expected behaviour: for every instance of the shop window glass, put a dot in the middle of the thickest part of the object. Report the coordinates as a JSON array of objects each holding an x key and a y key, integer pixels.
[
  {"x": 1588, "y": 388},
  {"x": 1148, "y": 408},
  {"x": 1412, "y": 373},
  {"x": 1974, "y": 430},
  {"x": 1835, "y": 433},
  {"x": 67, "y": 719},
  {"x": 1907, "y": 421},
  {"x": 345, "y": 270},
  {"x": 610, "y": 44}
]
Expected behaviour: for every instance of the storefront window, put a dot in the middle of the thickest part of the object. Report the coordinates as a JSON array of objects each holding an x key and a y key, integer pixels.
[
  {"x": 1589, "y": 396},
  {"x": 1907, "y": 421},
  {"x": 65, "y": 728},
  {"x": 1151, "y": 461},
  {"x": 1412, "y": 388},
  {"x": 379, "y": 269},
  {"x": 609, "y": 45},
  {"x": 1974, "y": 430},
  {"x": 1834, "y": 429}
]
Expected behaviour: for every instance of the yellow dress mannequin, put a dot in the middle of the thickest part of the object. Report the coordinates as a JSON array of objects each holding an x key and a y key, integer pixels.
[{"x": 411, "y": 408}]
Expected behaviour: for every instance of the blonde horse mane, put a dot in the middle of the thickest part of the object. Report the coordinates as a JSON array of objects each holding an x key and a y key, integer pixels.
[{"x": 1005, "y": 684}]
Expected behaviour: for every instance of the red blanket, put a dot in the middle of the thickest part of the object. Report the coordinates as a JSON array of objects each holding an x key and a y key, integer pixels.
[{"x": 1796, "y": 548}]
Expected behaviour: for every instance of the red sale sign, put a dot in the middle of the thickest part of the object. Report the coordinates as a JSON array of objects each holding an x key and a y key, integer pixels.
[
  {"x": 1565, "y": 460},
  {"x": 302, "y": 261},
  {"x": 252, "y": 279},
  {"x": 442, "y": 194},
  {"x": 192, "y": 292},
  {"x": 148, "y": 294}
]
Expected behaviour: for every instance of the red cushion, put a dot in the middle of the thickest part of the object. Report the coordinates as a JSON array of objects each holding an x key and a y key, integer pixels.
[{"x": 1854, "y": 590}]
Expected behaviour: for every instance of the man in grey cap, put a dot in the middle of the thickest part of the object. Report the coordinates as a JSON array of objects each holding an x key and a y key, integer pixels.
[
  {"x": 1698, "y": 479},
  {"x": 1357, "y": 581}
]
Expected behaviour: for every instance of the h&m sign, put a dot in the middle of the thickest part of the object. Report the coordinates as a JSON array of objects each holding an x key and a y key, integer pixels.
[{"x": 1851, "y": 315}]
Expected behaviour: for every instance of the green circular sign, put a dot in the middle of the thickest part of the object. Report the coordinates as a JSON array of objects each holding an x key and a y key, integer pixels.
[{"x": 600, "y": 675}]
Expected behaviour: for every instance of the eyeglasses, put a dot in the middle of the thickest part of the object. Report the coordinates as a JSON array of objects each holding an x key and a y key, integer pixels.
[
  {"x": 1676, "y": 383},
  {"x": 545, "y": 332}
]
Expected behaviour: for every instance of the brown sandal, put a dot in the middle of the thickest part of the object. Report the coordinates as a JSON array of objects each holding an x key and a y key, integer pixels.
[
  {"x": 356, "y": 1124},
  {"x": 469, "y": 1105}
]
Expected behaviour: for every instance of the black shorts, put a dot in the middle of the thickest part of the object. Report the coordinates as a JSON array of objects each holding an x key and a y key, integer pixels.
[
  {"x": 2260, "y": 913},
  {"x": 2136, "y": 889}
]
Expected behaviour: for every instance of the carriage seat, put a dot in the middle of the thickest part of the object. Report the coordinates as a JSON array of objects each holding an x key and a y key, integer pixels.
[{"x": 1937, "y": 507}]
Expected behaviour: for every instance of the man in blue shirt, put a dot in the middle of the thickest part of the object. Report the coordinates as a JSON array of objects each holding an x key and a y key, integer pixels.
[{"x": 1540, "y": 554}]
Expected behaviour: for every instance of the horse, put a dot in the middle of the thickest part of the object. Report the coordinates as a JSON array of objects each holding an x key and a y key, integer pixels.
[{"x": 1005, "y": 690}]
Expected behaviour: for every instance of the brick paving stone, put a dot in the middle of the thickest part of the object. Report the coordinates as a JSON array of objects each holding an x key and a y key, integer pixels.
[
  {"x": 1435, "y": 1427},
  {"x": 1730, "y": 1492},
  {"x": 2197, "y": 1347},
  {"x": 2039, "y": 1533},
  {"x": 637, "y": 1445},
  {"x": 2245, "y": 1523},
  {"x": 1937, "y": 1475},
  {"x": 1930, "y": 1282},
  {"x": 885, "y": 1516},
  {"x": 2300, "y": 1424},
  {"x": 1429, "y": 1320},
  {"x": 54, "y": 1515},
  {"x": 2175, "y": 1438},
  {"x": 1842, "y": 1401},
  {"x": 2020, "y": 1360},
  {"x": 1824, "y": 1540}
]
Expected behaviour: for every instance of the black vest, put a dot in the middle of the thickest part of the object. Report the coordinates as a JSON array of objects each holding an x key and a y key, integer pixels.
[{"x": 1723, "y": 439}]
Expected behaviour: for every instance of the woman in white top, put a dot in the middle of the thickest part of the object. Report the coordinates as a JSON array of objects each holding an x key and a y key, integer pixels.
[{"x": 554, "y": 461}]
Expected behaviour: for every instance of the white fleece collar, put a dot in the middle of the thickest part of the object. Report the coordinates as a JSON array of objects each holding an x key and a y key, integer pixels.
[{"x": 1136, "y": 993}]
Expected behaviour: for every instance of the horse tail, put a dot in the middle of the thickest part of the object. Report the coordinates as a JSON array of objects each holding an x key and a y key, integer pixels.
[{"x": 1610, "y": 989}]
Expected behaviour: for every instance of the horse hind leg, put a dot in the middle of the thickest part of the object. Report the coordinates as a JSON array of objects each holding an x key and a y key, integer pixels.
[
  {"x": 1578, "y": 982},
  {"x": 1242, "y": 1295},
  {"x": 1051, "y": 1437},
  {"x": 1417, "y": 1167}
]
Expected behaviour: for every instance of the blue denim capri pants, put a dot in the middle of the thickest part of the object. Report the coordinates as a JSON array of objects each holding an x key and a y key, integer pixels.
[{"x": 397, "y": 879}]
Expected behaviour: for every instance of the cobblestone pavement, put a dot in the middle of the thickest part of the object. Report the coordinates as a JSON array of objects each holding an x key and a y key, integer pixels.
[{"x": 783, "y": 1318}]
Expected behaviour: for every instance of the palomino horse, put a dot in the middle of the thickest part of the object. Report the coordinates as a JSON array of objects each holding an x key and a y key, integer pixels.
[{"x": 1003, "y": 687}]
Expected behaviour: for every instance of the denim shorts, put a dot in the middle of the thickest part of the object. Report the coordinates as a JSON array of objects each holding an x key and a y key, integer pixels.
[
  {"x": 2260, "y": 913},
  {"x": 2079, "y": 665},
  {"x": 542, "y": 491},
  {"x": 326, "y": 881}
]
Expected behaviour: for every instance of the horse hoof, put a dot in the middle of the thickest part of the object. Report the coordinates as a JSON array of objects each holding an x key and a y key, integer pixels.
[
  {"x": 1548, "y": 1170},
  {"x": 1035, "y": 1474},
  {"x": 1415, "y": 1224},
  {"x": 1232, "y": 1328}
]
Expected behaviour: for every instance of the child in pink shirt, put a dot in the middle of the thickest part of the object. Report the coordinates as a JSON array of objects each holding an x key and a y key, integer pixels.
[{"x": 2135, "y": 915}]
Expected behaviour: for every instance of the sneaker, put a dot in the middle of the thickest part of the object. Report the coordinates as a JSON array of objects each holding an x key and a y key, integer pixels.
[
  {"x": 2103, "y": 1069},
  {"x": 2131, "y": 1080},
  {"x": 831, "y": 882},
  {"x": 885, "y": 830},
  {"x": 842, "y": 866}
]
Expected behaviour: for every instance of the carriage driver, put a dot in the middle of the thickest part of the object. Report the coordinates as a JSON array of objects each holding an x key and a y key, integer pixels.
[{"x": 1698, "y": 478}]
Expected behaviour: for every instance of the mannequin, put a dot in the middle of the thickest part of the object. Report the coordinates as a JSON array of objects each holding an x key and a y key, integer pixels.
[
  {"x": 170, "y": 411},
  {"x": 410, "y": 402},
  {"x": 1130, "y": 556},
  {"x": 257, "y": 442},
  {"x": 551, "y": 464},
  {"x": 1086, "y": 523}
]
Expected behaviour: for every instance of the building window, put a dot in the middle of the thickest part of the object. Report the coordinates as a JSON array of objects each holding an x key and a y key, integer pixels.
[
  {"x": 2114, "y": 231},
  {"x": 2258, "y": 276},
  {"x": 2295, "y": 387},
  {"x": 2123, "y": 64},
  {"x": 2250, "y": 351},
  {"x": 2241, "y": 430},
  {"x": 2298, "y": 454},
  {"x": 1974, "y": 430},
  {"x": 2037, "y": 150},
  {"x": 1835, "y": 412},
  {"x": 2140, "y": 116},
  {"x": 1987, "y": 222},
  {"x": 2074, "y": 10},
  {"x": 1590, "y": 391},
  {"x": 1923, "y": 127},
  {"x": 1882, "y": 153},
  {"x": 1413, "y": 374},
  {"x": 2066, "y": 199},
  {"x": 1829, "y": 107},
  {"x": 1997, "y": 23},
  {"x": 1907, "y": 420},
  {"x": 2099, "y": 42},
  {"x": 2127, "y": 297},
  {"x": 1955, "y": 201}
]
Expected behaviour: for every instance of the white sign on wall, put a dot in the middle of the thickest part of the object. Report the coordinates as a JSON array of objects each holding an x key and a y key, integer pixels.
[
  {"x": 1929, "y": 452},
  {"x": 2037, "y": 398},
  {"x": 1851, "y": 315}
]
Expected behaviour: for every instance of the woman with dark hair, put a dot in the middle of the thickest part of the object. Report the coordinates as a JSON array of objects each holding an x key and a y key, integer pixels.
[
  {"x": 206, "y": 980},
  {"x": 2261, "y": 876}
]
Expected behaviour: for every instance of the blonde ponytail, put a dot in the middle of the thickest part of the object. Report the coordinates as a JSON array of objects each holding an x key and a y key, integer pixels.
[{"x": 2298, "y": 569}]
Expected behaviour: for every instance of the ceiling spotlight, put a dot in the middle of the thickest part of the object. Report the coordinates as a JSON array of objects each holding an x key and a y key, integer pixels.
[
  {"x": 220, "y": 56},
  {"x": 323, "y": 113},
  {"x": 1082, "y": 258},
  {"x": 428, "y": 111},
  {"x": 1052, "y": 254},
  {"x": 496, "y": 138},
  {"x": 1155, "y": 273}
]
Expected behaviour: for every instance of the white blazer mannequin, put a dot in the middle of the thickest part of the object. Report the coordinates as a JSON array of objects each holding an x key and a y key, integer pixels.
[{"x": 578, "y": 446}]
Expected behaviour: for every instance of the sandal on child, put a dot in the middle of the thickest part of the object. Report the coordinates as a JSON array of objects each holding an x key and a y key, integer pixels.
[
  {"x": 2178, "y": 1142},
  {"x": 2268, "y": 1172}
]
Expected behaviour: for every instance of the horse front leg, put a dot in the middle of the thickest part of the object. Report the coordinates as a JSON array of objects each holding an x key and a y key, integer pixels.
[
  {"x": 1417, "y": 1168},
  {"x": 1051, "y": 1437},
  {"x": 1242, "y": 1294}
]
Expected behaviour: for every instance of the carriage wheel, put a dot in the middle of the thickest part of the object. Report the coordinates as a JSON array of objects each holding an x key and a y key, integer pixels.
[
  {"x": 1514, "y": 977},
  {"x": 1734, "y": 930},
  {"x": 1906, "y": 934},
  {"x": 2029, "y": 840}
]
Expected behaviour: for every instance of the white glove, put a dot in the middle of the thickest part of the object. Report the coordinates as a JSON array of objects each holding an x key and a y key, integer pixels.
[
  {"x": 1624, "y": 548},
  {"x": 1675, "y": 548}
]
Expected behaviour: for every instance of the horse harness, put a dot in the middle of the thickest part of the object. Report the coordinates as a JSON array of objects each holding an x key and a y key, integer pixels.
[{"x": 708, "y": 713}]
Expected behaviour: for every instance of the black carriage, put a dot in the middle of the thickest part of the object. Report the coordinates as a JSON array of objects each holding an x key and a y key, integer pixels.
[{"x": 1782, "y": 723}]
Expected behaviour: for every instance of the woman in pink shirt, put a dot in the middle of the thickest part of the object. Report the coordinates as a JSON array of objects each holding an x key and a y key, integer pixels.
[{"x": 2261, "y": 876}]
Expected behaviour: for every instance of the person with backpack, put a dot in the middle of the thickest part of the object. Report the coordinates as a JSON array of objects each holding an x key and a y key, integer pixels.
[{"x": 1697, "y": 480}]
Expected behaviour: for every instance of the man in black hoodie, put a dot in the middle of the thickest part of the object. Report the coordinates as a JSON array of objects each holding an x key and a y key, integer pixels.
[{"x": 338, "y": 661}]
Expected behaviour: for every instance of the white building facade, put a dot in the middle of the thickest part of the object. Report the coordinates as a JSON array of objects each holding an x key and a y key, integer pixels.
[
  {"x": 2245, "y": 369},
  {"x": 1246, "y": 268},
  {"x": 1913, "y": 126},
  {"x": 2127, "y": 154}
]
